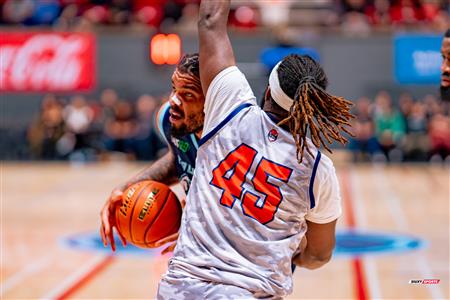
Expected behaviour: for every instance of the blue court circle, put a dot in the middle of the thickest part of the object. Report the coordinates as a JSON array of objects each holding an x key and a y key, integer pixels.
[
  {"x": 349, "y": 243},
  {"x": 354, "y": 243}
]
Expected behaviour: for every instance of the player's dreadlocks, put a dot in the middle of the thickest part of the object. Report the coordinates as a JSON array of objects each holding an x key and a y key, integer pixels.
[
  {"x": 324, "y": 115},
  {"x": 189, "y": 64}
]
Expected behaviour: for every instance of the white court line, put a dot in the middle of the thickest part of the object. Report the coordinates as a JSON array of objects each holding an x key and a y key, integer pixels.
[
  {"x": 74, "y": 277},
  {"x": 22, "y": 274},
  {"x": 359, "y": 209},
  {"x": 397, "y": 214}
]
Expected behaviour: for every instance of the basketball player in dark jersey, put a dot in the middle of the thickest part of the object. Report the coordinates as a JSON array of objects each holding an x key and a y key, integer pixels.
[
  {"x": 445, "y": 67},
  {"x": 180, "y": 123}
]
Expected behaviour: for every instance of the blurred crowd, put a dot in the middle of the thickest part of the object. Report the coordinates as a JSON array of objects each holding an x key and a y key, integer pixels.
[
  {"x": 81, "y": 129},
  {"x": 352, "y": 16},
  {"x": 86, "y": 129},
  {"x": 412, "y": 130}
]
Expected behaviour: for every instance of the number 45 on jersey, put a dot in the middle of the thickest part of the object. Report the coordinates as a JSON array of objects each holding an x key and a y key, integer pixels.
[{"x": 231, "y": 175}]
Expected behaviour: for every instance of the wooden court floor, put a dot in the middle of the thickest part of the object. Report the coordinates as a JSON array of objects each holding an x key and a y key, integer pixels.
[{"x": 41, "y": 204}]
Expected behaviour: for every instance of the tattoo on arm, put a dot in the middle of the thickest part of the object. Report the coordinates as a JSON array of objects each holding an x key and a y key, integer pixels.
[{"x": 163, "y": 170}]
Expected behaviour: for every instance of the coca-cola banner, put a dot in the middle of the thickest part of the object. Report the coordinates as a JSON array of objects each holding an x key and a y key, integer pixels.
[{"x": 43, "y": 62}]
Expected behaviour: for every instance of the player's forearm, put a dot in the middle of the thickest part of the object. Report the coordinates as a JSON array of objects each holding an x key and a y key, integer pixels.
[
  {"x": 213, "y": 14},
  {"x": 163, "y": 170},
  {"x": 311, "y": 261},
  {"x": 215, "y": 49}
]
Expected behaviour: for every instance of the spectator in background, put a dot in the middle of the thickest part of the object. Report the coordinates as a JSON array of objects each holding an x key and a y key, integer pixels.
[
  {"x": 68, "y": 18},
  {"x": 406, "y": 103},
  {"x": 355, "y": 24},
  {"x": 389, "y": 127},
  {"x": 17, "y": 11},
  {"x": 274, "y": 13},
  {"x": 354, "y": 21},
  {"x": 119, "y": 132},
  {"x": 378, "y": 13},
  {"x": 47, "y": 130},
  {"x": 406, "y": 12},
  {"x": 434, "y": 106},
  {"x": 78, "y": 117},
  {"x": 189, "y": 18},
  {"x": 364, "y": 145},
  {"x": 439, "y": 131},
  {"x": 146, "y": 142},
  {"x": 416, "y": 143}
]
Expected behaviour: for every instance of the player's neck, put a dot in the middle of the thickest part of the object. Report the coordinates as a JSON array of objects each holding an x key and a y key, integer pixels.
[{"x": 274, "y": 109}]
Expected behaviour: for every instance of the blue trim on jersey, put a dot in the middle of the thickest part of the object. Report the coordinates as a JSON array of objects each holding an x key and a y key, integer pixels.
[
  {"x": 194, "y": 140},
  {"x": 162, "y": 114},
  {"x": 312, "y": 200},
  {"x": 223, "y": 123}
]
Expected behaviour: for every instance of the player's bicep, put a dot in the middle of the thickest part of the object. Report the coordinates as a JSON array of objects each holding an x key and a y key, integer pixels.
[
  {"x": 216, "y": 53},
  {"x": 321, "y": 238}
]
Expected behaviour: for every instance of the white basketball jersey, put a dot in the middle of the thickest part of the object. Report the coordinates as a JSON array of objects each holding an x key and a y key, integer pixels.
[{"x": 249, "y": 199}]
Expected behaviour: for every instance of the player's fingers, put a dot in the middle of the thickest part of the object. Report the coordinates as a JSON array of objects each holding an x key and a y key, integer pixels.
[
  {"x": 122, "y": 238},
  {"x": 183, "y": 203},
  {"x": 102, "y": 234},
  {"x": 104, "y": 216},
  {"x": 111, "y": 240},
  {"x": 167, "y": 239},
  {"x": 116, "y": 196},
  {"x": 169, "y": 249}
]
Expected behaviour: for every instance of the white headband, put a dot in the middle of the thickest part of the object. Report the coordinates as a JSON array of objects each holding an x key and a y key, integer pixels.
[{"x": 276, "y": 92}]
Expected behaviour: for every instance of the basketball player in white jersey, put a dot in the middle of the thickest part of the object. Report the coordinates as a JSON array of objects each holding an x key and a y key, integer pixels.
[{"x": 260, "y": 184}]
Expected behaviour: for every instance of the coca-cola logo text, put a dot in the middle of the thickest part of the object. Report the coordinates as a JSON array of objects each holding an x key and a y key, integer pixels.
[{"x": 47, "y": 62}]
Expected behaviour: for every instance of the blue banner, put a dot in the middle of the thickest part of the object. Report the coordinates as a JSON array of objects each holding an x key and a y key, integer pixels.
[
  {"x": 417, "y": 59},
  {"x": 271, "y": 56}
]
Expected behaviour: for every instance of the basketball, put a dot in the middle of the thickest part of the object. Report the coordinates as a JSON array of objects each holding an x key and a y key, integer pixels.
[{"x": 149, "y": 212}]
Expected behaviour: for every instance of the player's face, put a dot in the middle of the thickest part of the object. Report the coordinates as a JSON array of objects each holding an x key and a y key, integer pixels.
[
  {"x": 445, "y": 70},
  {"x": 186, "y": 104},
  {"x": 445, "y": 67}
]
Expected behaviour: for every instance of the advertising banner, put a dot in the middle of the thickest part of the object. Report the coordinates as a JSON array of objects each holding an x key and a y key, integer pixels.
[
  {"x": 417, "y": 59},
  {"x": 47, "y": 62}
]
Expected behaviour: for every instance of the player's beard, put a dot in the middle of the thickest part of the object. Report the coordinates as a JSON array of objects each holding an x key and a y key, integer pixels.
[
  {"x": 445, "y": 93},
  {"x": 193, "y": 124}
]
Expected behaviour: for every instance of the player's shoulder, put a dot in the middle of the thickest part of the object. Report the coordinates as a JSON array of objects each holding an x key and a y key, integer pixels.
[
  {"x": 162, "y": 121},
  {"x": 325, "y": 166},
  {"x": 229, "y": 83}
]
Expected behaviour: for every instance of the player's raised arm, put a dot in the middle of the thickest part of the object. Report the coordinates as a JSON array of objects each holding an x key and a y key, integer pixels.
[{"x": 216, "y": 53}]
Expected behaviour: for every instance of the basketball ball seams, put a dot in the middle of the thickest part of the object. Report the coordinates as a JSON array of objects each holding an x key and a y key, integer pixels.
[
  {"x": 166, "y": 198},
  {"x": 132, "y": 210},
  {"x": 153, "y": 212},
  {"x": 172, "y": 230}
]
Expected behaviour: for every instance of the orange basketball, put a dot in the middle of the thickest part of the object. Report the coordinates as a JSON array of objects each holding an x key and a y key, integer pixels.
[{"x": 149, "y": 212}]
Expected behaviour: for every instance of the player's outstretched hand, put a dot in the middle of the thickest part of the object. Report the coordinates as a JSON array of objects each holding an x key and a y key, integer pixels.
[{"x": 108, "y": 219}]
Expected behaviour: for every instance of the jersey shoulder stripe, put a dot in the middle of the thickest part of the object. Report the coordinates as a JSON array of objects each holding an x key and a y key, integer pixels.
[
  {"x": 237, "y": 110},
  {"x": 311, "y": 182}
]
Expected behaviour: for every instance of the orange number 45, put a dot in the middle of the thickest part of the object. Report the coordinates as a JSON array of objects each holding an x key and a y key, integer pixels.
[{"x": 230, "y": 176}]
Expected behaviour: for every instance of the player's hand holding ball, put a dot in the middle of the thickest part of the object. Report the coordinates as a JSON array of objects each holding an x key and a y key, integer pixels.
[
  {"x": 149, "y": 215},
  {"x": 108, "y": 219}
]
